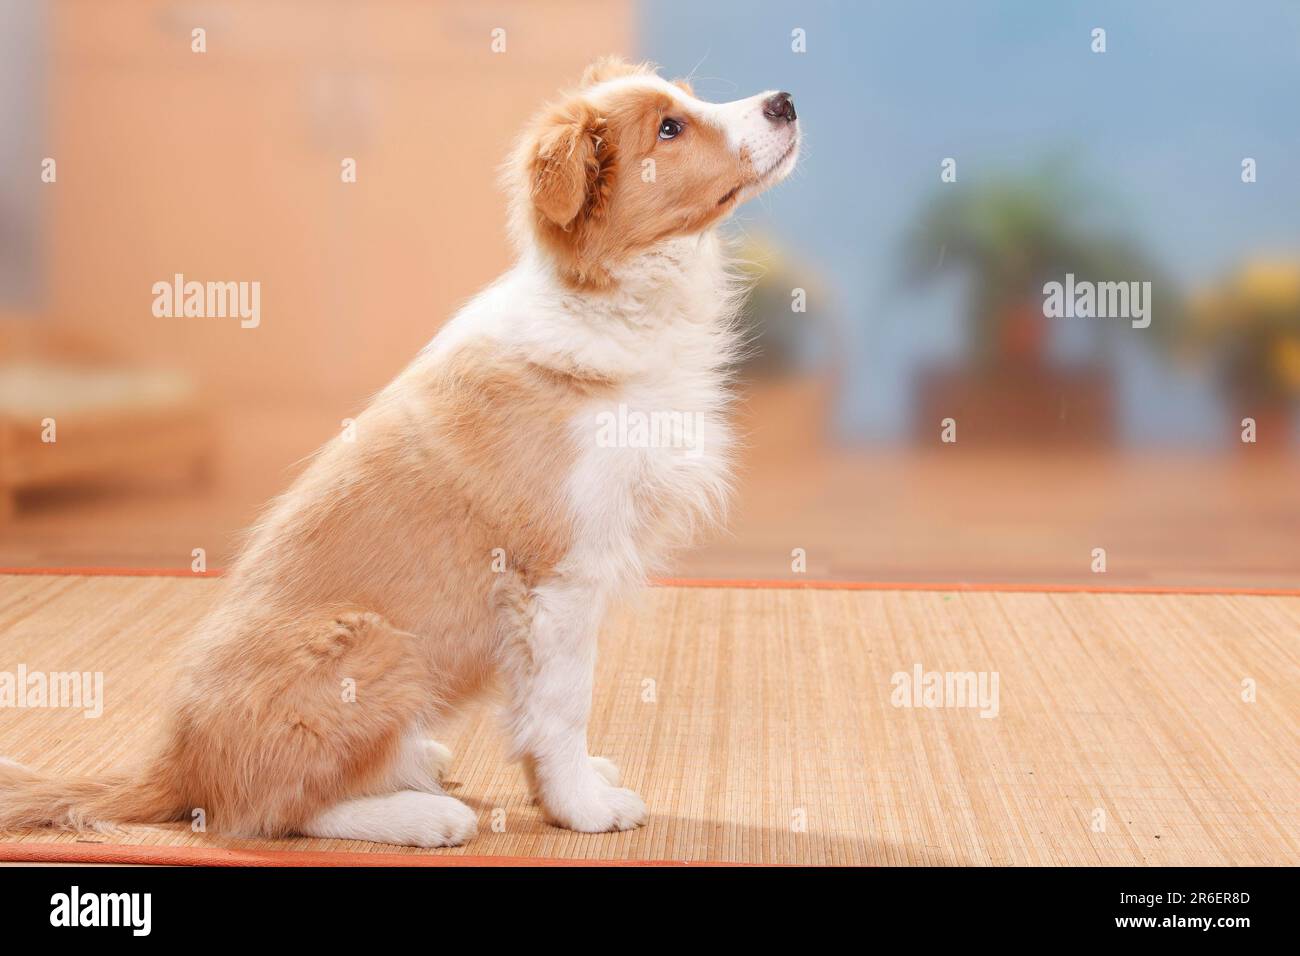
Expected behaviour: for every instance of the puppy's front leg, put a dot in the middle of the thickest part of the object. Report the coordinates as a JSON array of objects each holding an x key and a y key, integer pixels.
[{"x": 549, "y": 662}]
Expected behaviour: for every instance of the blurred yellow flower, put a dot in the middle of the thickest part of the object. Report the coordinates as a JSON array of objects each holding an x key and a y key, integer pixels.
[
  {"x": 759, "y": 258},
  {"x": 1250, "y": 325},
  {"x": 1271, "y": 282}
]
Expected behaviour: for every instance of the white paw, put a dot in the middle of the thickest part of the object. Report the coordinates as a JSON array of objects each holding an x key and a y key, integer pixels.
[
  {"x": 450, "y": 824},
  {"x": 420, "y": 765},
  {"x": 597, "y": 809},
  {"x": 405, "y": 818},
  {"x": 439, "y": 758},
  {"x": 607, "y": 769},
  {"x": 428, "y": 820}
]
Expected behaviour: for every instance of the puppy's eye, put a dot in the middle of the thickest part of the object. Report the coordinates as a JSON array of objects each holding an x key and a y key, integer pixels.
[{"x": 669, "y": 128}]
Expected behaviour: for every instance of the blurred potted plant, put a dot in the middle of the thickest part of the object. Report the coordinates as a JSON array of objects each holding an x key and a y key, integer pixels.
[
  {"x": 1007, "y": 236},
  {"x": 785, "y": 383},
  {"x": 1248, "y": 328}
]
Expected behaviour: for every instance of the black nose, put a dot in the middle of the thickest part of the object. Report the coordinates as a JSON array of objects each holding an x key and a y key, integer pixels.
[{"x": 780, "y": 106}]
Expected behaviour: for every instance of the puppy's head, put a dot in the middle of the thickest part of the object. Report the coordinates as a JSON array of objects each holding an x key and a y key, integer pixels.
[{"x": 630, "y": 159}]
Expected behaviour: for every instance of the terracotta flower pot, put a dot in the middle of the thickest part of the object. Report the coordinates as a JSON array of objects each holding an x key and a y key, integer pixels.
[
  {"x": 1274, "y": 424},
  {"x": 1017, "y": 405}
]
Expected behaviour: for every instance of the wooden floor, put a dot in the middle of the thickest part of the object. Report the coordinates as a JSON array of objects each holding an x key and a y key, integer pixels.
[
  {"x": 759, "y": 726},
  {"x": 898, "y": 514}
]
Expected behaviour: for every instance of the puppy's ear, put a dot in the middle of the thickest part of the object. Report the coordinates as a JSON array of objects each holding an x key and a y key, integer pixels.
[{"x": 572, "y": 165}]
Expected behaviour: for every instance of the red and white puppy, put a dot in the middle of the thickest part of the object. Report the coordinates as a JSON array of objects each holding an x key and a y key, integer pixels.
[{"x": 489, "y": 508}]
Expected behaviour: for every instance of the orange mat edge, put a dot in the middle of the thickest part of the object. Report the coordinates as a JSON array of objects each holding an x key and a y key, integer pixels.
[
  {"x": 774, "y": 583},
  {"x": 104, "y": 853}
]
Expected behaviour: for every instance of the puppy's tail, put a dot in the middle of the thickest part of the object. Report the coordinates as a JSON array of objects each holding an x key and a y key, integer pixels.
[{"x": 30, "y": 800}]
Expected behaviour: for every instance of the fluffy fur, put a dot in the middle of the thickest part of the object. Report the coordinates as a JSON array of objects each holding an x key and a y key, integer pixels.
[{"x": 475, "y": 531}]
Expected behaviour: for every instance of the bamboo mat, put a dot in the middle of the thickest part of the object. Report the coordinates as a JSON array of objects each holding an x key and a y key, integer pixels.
[{"x": 758, "y": 725}]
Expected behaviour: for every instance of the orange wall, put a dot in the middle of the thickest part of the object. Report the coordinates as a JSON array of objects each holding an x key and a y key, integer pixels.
[{"x": 225, "y": 165}]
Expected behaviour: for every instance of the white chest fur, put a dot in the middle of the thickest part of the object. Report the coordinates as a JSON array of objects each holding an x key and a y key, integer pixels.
[
  {"x": 652, "y": 467},
  {"x": 652, "y": 472}
]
